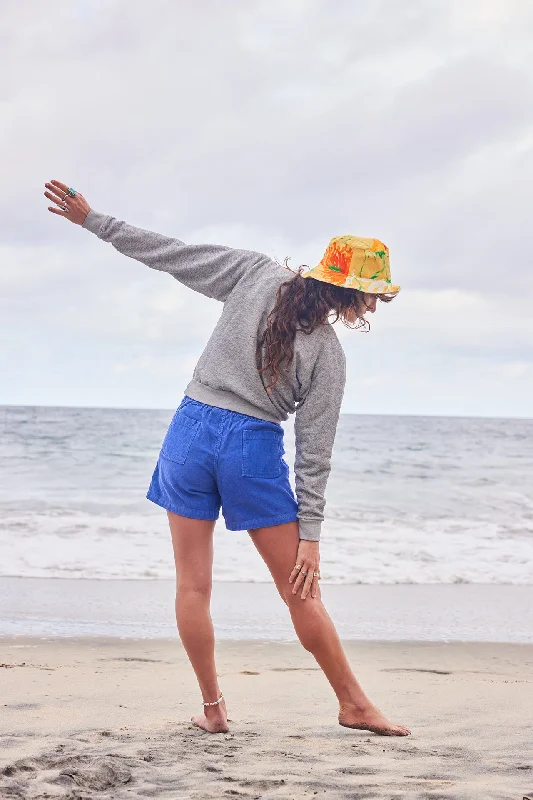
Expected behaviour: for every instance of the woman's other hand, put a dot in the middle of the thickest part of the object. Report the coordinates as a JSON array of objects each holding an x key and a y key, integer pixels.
[
  {"x": 308, "y": 559},
  {"x": 77, "y": 206}
]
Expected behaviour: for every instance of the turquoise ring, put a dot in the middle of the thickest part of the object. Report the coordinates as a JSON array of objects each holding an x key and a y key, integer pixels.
[{"x": 72, "y": 192}]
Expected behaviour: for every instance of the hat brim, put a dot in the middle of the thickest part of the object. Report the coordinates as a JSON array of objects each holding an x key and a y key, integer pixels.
[{"x": 352, "y": 282}]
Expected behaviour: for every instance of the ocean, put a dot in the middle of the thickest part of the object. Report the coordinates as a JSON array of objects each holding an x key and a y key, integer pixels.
[{"x": 410, "y": 500}]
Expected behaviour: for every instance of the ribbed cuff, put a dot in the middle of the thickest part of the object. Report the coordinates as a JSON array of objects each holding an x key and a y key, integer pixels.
[
  {"x": 93, "y": 221},
  {"x": 310, "y": 529}
]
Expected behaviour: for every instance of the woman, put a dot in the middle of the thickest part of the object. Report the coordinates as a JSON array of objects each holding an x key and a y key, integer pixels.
[{"x": 273, "y": 352}]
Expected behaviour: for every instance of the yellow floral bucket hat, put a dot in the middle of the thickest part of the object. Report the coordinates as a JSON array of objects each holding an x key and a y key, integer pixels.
[{"x": 356, "y": 263}]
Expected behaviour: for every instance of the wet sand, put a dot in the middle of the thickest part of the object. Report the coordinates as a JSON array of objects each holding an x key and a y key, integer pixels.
[
  {"x": 109, "y": 718},
  {"x": 145, "y": 608}
]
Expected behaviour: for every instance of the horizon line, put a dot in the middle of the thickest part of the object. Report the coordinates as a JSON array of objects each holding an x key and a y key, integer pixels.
[{"x": 342, "y": 414}]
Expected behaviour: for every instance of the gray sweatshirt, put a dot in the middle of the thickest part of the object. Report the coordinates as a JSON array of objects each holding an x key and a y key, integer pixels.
[{"x": 226, "y": 375}]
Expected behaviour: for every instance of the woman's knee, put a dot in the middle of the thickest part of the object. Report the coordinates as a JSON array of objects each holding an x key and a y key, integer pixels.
[
  {"x": 193, "y": 591},
  {"x": 308, "y": 607},
  {"x": 307, "y": 616}
]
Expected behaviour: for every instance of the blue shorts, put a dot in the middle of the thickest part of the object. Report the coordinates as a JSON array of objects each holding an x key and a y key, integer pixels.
[{"x": 213, "y": 457}]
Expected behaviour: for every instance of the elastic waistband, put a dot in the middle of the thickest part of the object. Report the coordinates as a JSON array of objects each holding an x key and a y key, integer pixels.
[
  {"x": 227, "y": 400},
  {"x": 187, "y": 401}
]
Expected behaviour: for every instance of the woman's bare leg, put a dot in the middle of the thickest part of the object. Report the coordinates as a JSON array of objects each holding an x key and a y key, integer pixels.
[
  {"x": 192, "y": 541},
  {"x": 278, "y": 546}
]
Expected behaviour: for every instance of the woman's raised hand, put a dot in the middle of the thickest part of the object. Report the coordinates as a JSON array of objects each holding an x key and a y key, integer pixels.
[
  {"x": 307, "y": 564},
  {"x": 77, "y": 207}
]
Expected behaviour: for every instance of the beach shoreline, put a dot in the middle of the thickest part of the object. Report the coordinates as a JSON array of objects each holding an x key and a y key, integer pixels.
[
  {"x": 110, "y": 717},
  {"x": 254, "y": 611}
]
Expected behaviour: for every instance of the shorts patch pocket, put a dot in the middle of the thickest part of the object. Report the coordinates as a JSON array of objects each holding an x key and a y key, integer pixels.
[
  {"x": 262, "y": 452},
  {"x": 181, "y": 434}
]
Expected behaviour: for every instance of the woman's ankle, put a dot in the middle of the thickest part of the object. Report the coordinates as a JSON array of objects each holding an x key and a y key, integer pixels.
[
  {"x": 357, "y": 702},
  {"x": 214, "y": 699},
  {"x": 216, "y": 712}
]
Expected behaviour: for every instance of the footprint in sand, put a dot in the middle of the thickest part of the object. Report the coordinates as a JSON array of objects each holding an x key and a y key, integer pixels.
[
  {"x": 295, "y": 669},
  {"x": 358, "y": 771},
  {"x": 131, "y": 658},
  {"x": 415, "y": 669},
  {"x": 87, "y": 772}
]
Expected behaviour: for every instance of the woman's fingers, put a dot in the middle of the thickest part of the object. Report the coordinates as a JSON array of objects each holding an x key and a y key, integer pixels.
[
  {"x": 77, "y": 206},
  {"x": 302, "y": 575},
  {"x": 305, "y": 579},
  {"x": 58, "y": 200},
  {"x": 58, "y": 211},
  {"x": 60, "y": 185},
  {"x": 298, "y": 581},
  {"x": 55, "y": 198},
  {"x": 295, "y": 572},
  {"x": 307, "y": 583}
]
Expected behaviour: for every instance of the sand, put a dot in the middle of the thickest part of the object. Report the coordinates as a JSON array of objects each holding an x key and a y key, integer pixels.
[{"x": 109, "y": 718}]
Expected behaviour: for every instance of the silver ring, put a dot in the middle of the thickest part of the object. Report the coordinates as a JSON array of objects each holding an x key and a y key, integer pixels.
[
  {"x": 303, "y": 573},
  {"x": 64, "y": 208}
]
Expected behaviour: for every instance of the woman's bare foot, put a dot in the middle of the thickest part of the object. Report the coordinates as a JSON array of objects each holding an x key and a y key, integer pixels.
[
  {"x": 370, "y": 718},
  {"x": 214, "y": 720}
]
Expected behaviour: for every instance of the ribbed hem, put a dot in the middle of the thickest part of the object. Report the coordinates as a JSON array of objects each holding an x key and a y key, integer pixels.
[
  {"x": 309, "y": 529},
  {"x": 93, "y": 221},
  {"x": 224, "y": 399}
]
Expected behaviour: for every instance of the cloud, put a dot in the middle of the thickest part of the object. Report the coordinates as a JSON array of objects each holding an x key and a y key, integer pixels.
[{"x": 274, "y": 126}]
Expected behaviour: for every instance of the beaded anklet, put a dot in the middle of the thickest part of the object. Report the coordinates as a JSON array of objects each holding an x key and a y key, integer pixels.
[{"x": 216, "y": 701}]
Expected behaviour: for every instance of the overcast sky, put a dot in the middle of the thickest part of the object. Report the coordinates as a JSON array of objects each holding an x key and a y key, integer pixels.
[{"x": 272, "y": 126}]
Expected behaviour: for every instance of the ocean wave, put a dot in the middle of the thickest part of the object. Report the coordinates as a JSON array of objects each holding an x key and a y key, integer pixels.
[
  {"x": 373, "y": 549},
  {"x": 409, "y": 500}
]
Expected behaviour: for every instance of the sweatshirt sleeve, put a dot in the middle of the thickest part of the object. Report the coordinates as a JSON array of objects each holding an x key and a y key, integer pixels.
[
  {"x": 212, "y": 270},
  {"x": 315, "y": 426}
]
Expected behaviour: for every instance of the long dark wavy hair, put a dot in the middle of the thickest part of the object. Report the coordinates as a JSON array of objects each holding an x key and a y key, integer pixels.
[{"x": 304, "y": 304}]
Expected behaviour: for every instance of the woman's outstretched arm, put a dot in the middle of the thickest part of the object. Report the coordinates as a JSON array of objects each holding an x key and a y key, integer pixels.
[{"x": 212, "y": 270}]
